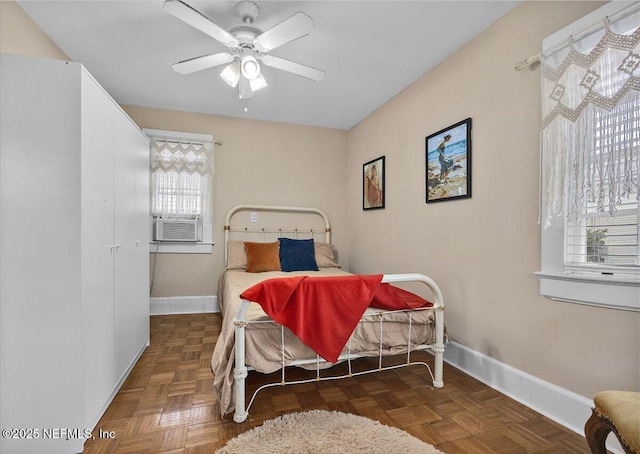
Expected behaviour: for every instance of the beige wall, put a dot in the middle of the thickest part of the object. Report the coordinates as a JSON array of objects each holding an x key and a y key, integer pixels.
[
  {"x": 258, "y": 162},
  {"x": 20, "y": 35},
  {"x": 483, "y": 251}
]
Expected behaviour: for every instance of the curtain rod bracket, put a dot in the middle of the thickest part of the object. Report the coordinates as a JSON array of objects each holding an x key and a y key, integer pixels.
[{"x": 529, "y": 62}]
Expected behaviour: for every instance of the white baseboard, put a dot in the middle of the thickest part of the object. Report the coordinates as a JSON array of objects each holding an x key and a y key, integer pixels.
[
  {"x": 562, "y": 406},
  {"x": 184, "y": 305}
]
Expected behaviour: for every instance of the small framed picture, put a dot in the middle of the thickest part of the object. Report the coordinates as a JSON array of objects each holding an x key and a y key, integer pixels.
[
  {"x": 373, "y": 184},
  {"x": 448, "y": 162}
]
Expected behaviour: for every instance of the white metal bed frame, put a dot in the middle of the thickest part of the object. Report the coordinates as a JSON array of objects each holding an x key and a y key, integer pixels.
[{"x": 240, "y": 322}]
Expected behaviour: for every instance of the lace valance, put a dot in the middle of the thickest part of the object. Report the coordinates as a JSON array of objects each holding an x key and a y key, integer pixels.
[{"x": 181, "y": 156}]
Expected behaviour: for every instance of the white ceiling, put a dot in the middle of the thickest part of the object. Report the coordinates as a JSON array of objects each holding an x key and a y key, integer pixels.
[{"x": 370, "y": 50}]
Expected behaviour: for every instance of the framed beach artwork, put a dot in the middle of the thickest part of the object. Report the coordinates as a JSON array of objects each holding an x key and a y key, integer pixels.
[
  {"x": 448, "y": 162},
  {"x": 373, "y": 184}
]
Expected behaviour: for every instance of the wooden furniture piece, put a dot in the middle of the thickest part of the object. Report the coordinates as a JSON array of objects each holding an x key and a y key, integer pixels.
[
  {"x": 617, "y": 412},
  {"x": 74, "y": 181}
]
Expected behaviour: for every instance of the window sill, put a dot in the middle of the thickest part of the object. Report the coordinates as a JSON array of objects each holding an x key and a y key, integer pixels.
[
  {"x": 603, "y": 291},
  {"x": 167, "y": 247}
]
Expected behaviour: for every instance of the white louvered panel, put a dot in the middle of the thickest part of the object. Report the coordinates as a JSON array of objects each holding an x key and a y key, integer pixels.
[
  {"x": 609, "y": 240},
  {"x": 176, "y": 230}
]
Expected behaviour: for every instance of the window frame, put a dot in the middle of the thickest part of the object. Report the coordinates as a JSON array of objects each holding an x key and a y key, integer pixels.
[
  {"x": 612, "y": 291},
  {"x": 201, "y": 247},
  {"x": 618, "y": 290}
]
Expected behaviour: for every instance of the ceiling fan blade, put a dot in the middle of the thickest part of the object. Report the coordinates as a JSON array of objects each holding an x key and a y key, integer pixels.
[
  {"x": 288, "y": 30},
  {"x": 198, "y": 20},
  {"x": 293, "y": 67},
  {"x": 199, "y": 63}
]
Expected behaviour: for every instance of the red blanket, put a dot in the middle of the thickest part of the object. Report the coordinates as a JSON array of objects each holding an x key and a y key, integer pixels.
[{"x": 324, "y": 311}]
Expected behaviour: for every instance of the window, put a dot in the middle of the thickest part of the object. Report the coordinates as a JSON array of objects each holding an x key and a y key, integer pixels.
[
  {"x": 598, "y": 239},
  {"x": 590, "y": 160},
  {"x": 177, "y": 194},
  {"x": 181, "y": 185}
]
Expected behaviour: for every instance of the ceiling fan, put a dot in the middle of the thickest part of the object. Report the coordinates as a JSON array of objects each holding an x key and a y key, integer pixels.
[{"x": 247, "y": 46}]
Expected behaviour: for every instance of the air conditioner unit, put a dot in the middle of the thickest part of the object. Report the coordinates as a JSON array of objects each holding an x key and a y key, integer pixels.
[{"x": 176, "y": 230}]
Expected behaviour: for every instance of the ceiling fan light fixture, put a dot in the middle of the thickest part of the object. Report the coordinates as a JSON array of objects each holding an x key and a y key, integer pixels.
[
  {"x": 250, "y": 67},
  {"x": 258, "y": 83},
  {"x": 247, "y": 46},
  {"x": 231, "y": 74}
]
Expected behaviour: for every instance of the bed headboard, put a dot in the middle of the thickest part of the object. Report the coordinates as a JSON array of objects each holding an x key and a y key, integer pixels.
[{"x": 262, "y": 233}]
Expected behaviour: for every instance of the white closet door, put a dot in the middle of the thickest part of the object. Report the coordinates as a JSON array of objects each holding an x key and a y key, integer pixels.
[
  {"x": 142, "y": 238},
  {"x": 97, "y": 247},
  {"x": 129, "y": 323}
]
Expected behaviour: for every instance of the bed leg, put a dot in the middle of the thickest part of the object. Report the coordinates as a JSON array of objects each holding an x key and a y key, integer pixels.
[
  {"x": 439, "y": 359},
  {"x": 240, "y": 370},
  {"x": 240, "y": 414},
  {"x": 439, "y": 348}
]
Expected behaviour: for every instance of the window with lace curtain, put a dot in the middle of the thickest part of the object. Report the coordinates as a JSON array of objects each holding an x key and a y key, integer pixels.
[
  {"x": 590, "y": 143},
  {"x": 602, "y": 237},
  {"x": 182, "y": 168}
]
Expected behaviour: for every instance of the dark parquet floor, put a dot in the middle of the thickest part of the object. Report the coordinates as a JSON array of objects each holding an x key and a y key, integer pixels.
[{"x": 167, "y": 404}]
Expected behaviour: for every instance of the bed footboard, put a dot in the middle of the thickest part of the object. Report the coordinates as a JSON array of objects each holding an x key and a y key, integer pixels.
[
  {"x": 241, "y": 370},
  {"x": 438, "y": 347}
]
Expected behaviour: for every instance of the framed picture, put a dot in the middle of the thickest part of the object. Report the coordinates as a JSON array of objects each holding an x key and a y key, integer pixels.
[
  {"x": 373, "y": 184},
  {"x": 448, "y": 162}
]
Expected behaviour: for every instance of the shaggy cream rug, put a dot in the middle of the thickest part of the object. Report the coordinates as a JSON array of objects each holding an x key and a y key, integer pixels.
[{"x": 320, "y": 431}]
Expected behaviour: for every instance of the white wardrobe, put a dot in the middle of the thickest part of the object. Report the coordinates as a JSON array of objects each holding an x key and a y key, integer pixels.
[{"x": 74, "y": 252}]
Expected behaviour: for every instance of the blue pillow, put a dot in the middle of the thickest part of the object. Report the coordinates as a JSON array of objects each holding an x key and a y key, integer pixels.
[{"x": 297, "y": 255}]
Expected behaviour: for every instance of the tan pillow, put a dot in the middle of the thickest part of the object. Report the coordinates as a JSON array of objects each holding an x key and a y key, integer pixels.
[
  {"x": 325, "y": 257},
  {"x": 236, "y": 255},
  {"x": 262, "y": 257}
]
